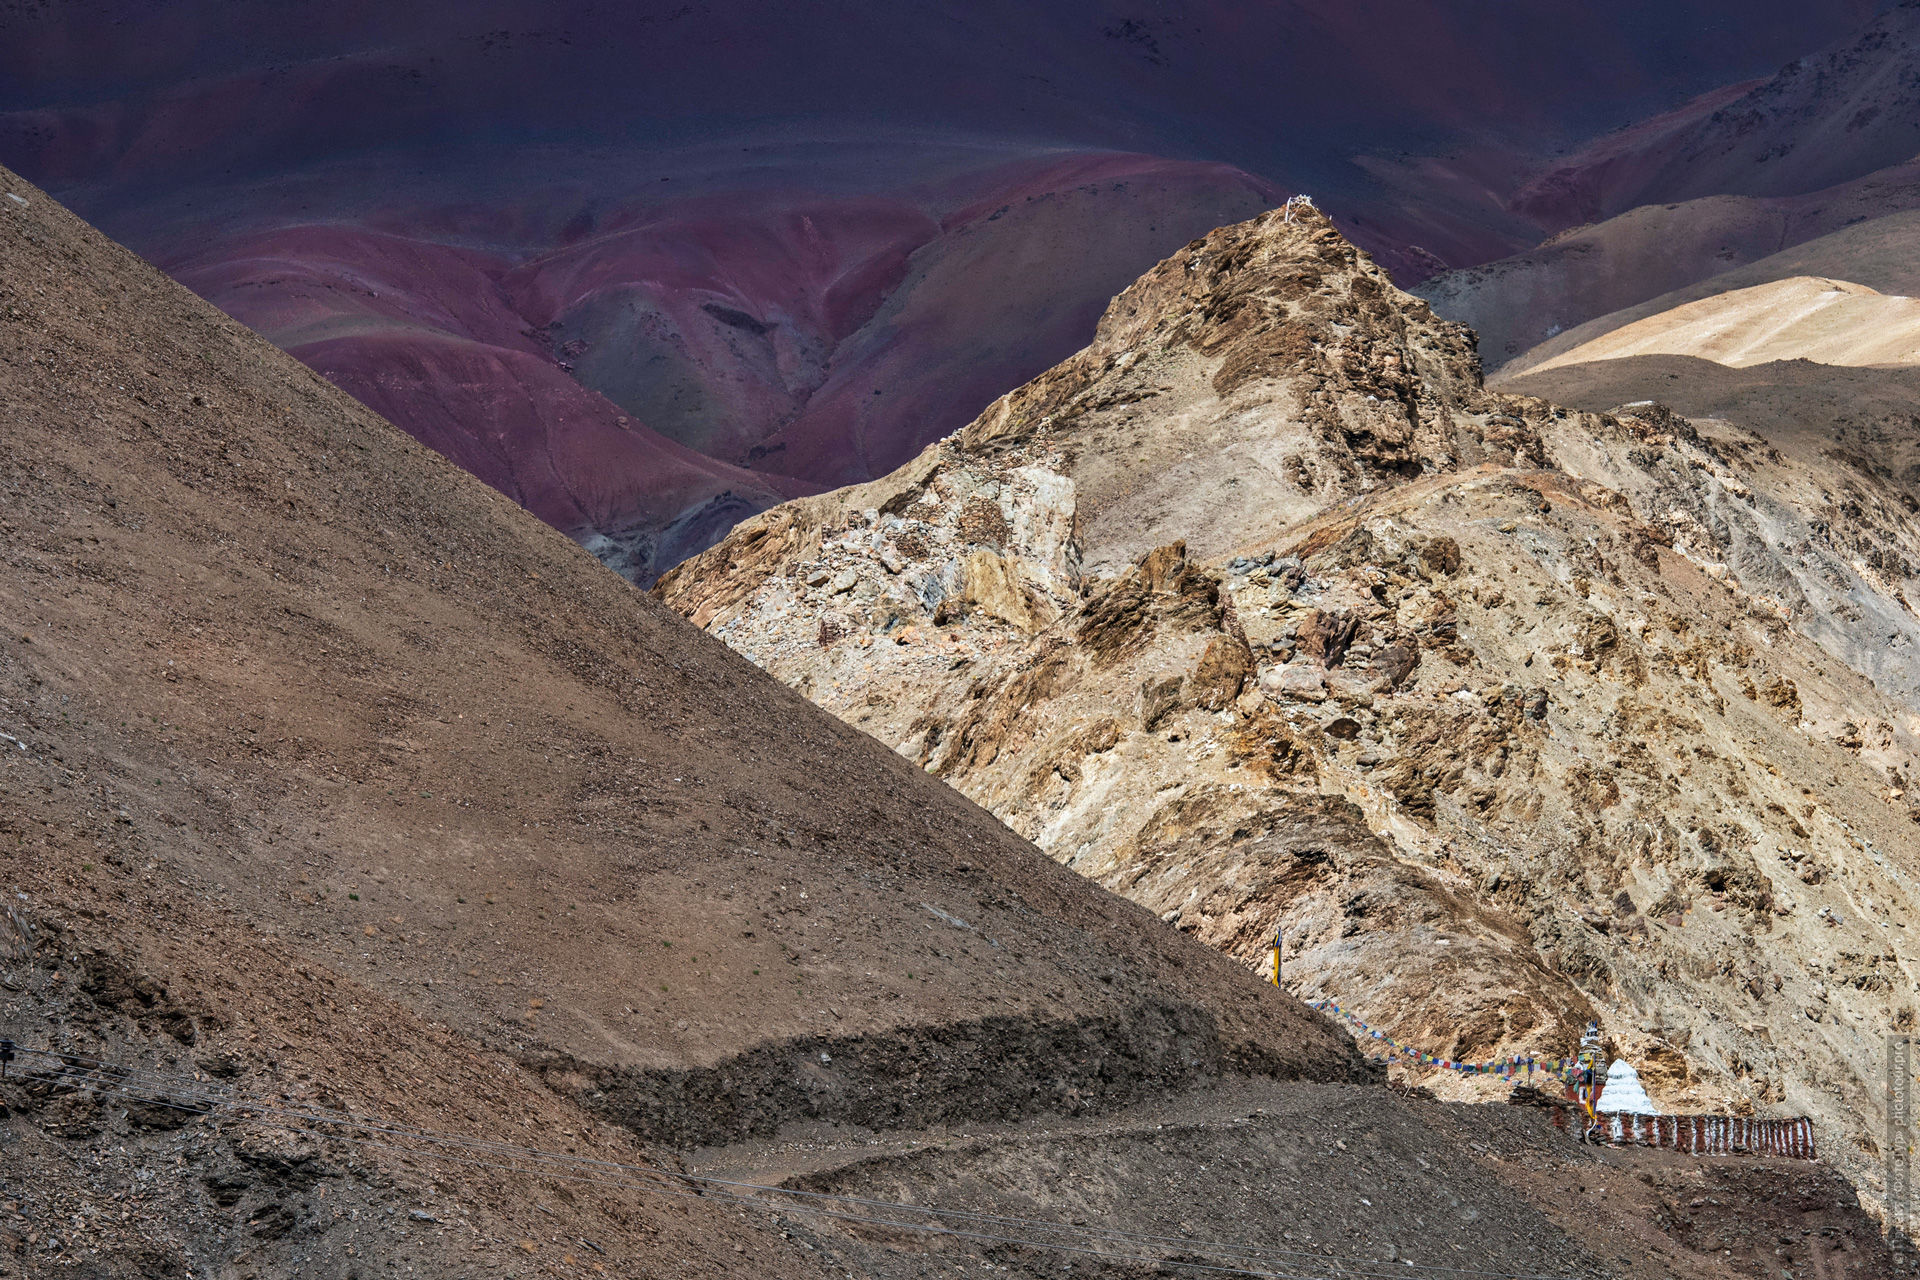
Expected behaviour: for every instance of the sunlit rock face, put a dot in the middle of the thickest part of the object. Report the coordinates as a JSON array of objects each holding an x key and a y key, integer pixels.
[{"x": 1263, "y": 611}]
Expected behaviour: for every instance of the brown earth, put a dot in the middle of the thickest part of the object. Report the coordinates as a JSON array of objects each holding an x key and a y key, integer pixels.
[
  {"x": 1264, "y": 612},
  {"x": 330, "y": 770},
  {"x": 1338, "y": 1171}
]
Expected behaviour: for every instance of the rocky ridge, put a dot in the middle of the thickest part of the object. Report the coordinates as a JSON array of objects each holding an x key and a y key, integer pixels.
[{"x": 1263, "y": 610}]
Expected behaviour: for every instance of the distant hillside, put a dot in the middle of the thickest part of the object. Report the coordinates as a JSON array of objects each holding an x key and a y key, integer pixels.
[
  {"x": 1812, "y": 318},
  {"x": 1739, "y": 175},
  {"x": 651, "y": 268}
]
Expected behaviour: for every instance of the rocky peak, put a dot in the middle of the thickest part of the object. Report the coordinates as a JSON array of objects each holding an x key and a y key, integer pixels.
[
  {"x": 1263, "y": 370},
  {"x": 1263, "y": 611},
  {"x": 1260, "y": 374}
]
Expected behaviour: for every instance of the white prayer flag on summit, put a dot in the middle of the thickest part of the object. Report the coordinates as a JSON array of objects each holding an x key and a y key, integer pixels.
[{"x": 1622, "y": 1094}]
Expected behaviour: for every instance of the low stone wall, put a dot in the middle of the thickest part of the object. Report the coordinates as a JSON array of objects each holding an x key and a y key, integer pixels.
[{"x": 1710, "y": 1135}]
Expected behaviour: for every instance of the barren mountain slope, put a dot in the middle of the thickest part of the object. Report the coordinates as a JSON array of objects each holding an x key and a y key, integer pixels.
[
  {"x": 1741, "y": 173},
  {"x": 1263, "y": 611},
  {"x": 1863, "y": 417},
  {"x": 327, "y": 767},
  {"x": 1600, "y": 268},
  {"x": 1815, "y": 318},
  {"x": 1822, "y": 120},
  {"x": 1878, "y": 253},
  {"x": 1321, "y": 1171}
]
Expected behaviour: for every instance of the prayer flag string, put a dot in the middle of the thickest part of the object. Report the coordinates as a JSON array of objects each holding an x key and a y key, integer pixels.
[{"x": 1504, "y": 1067}]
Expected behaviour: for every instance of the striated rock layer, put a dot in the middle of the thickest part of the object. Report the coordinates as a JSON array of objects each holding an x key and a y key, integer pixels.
[{"x": 1263, "y": 611}]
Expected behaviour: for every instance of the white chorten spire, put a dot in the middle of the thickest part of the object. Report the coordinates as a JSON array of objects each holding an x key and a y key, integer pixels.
[{"x": 1623, "y": 1094}]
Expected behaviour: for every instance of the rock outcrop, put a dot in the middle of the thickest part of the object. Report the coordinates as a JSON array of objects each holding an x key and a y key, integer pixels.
[{"x": 1263, "y": 611}]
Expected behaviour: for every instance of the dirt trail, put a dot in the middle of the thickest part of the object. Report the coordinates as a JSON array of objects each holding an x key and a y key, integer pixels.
[{"x": 1350, "y": 1176}]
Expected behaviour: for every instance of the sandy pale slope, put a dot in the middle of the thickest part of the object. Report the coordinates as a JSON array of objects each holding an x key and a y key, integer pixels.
[{"x": 1802, "y": 317}]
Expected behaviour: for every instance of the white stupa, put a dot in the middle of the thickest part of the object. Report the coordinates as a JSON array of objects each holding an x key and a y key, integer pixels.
[{"x": 1623, "y": 1093}]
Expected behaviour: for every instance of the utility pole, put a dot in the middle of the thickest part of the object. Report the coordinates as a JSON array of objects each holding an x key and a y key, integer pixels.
[{"x": 1900, "y": 1152}]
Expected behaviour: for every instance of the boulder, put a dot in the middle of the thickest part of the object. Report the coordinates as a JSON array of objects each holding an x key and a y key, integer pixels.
[
  {"x": 995, "y": 586},
  {"x": 1297, "y": 681},
  {"x": 1326, "y": 636},
  {"x": 1159, "y": 698}
]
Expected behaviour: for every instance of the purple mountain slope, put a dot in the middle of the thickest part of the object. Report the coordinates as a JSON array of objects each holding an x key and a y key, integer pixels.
[{"x": 647, "y": 267}]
